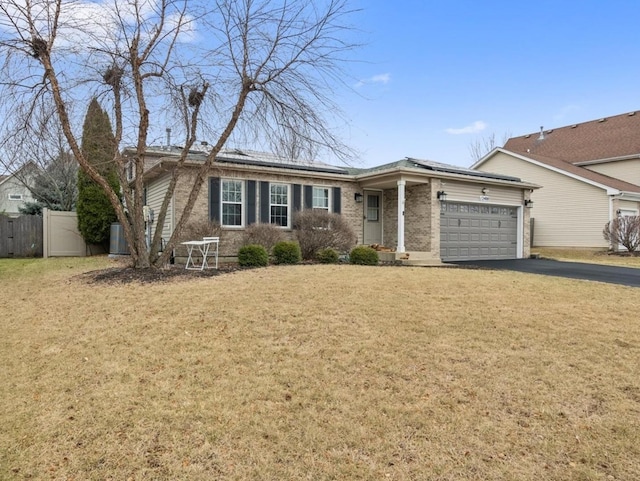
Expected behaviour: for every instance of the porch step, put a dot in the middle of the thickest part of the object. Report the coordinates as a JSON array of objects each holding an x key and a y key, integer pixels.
[
  {"x": 412, "y": 258},
  {"x": 421, "y": 262}
]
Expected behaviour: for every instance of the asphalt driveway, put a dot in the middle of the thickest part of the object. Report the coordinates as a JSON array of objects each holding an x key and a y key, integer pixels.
[{"x": 626, "y": 276}]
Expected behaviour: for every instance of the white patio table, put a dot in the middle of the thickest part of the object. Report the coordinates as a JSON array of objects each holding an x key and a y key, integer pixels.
[{"x": 206, "y": 247}]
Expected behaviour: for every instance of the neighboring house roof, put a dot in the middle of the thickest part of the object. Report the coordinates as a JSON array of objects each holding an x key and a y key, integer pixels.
[
  {"x": 566, "y": 168},
  {"x": 607, "y": 138},
  {"x": 567, "y": 149},
  {"x": 28, "y": 168}
]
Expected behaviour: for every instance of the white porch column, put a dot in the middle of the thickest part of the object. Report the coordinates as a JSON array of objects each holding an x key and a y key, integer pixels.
[{"x": 401, "y": 186}]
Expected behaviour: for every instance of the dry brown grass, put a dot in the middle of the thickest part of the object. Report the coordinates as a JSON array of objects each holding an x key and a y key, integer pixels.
[
  {"x": 319, "y": 373},
  {"x": 588, "y": 255}
]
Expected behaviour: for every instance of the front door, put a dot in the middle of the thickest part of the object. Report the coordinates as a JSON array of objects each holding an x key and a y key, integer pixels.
[{"x": 372, "y": 217}]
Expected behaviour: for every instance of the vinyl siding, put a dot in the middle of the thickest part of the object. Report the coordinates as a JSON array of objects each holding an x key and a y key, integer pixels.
[
  {"x": 627, "y": 205},
  {"x": 155, "y": 196},
  {"x": 466, "y": 192},
  {"x": 627, "y": 170},
  {"x": 13, "y": 186},
  {"x": 567, "y": 211}
]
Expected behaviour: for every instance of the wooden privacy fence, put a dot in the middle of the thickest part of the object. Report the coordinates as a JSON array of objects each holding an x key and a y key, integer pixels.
[
  {"x": 21, "y": 236},
  {"x": 55, "y": 234}
]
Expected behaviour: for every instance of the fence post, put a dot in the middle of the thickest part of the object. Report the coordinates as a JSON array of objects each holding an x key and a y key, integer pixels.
[{"x": 45, "y": 233}]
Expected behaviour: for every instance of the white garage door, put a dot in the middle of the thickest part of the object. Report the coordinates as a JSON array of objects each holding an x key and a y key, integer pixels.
[{"x": 478, "y": 231}]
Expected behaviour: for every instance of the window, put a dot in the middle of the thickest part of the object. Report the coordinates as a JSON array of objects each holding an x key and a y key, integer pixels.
[
  {"x": 279, "y": 204},
  {"x": 15, "y": 197},
  {"x": 232, "y": 202},
  {"x": 373, "y": 207},
  {"x": 321, "y": 198}
]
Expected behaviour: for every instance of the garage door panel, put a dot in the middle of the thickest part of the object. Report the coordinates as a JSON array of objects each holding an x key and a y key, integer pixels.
[{"x": 472, "y": 231}]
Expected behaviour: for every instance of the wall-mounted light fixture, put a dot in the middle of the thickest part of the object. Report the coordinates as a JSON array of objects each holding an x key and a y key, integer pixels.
[
  {"x": 358, "y": 197},
  {"x": 618, "y": 212},
  {"x": 528, "y": 203},
  {"x": 442, "y": 195},
  {"x": 485, "y": 191}
]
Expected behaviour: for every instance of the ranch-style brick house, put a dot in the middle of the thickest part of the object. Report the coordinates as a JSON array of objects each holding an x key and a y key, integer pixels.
[
  {"x": 589, "y": 173},
  {"x": 431, "y": 211}
]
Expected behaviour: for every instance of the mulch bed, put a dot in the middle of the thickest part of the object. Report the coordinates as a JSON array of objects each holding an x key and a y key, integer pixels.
[{"x": 127, "y": 275}]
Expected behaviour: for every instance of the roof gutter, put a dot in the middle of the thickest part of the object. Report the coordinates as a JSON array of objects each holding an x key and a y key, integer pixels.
[
  {"x": 604, "y": 161},
  {"x": 443, "y": 175},
  {"x": 632, "y": 196}
]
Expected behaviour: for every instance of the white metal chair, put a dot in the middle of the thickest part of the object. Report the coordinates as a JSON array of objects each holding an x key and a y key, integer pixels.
[{"x": 212, "y": 250}]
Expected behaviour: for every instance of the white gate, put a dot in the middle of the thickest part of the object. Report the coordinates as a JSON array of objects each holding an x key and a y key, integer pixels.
[{"x": 61, "y": 237}]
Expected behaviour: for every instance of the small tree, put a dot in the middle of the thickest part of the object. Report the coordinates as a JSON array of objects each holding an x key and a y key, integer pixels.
[
  {"x": 95, "y": 212},
  {"x": 482, "y": 146},
  {"x": 318, "y": 229},
  {"x": 624, "y": 231}
]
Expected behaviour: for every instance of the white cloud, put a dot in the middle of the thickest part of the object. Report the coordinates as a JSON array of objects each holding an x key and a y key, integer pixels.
[
  {"x": 382, "y": 78},
  {"x": 474, "y": 128},
  {"x": 86, "y": 24}
]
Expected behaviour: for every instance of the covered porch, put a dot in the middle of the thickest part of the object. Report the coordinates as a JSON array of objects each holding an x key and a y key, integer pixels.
[{"x": 401, "y": 215}]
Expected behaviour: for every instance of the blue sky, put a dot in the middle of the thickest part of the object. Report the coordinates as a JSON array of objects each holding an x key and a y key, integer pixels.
[{"x": 435, "y": 76}]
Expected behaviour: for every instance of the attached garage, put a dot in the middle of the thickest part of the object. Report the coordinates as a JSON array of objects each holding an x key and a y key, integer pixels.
[{"x": 470, "y": 231}]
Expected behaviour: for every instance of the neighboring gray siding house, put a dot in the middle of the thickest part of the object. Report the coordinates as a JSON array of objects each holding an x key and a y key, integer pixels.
[
  {"x": 430, "y": 210},
  {"x": 13, "y": 191},
  {"x": 589, "y": 173}
]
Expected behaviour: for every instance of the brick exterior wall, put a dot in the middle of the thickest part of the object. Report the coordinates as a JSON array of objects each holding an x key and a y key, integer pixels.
[
  {"x": 231, "y": 238},
  {"x": 418, "y": 215},
  {"x": 422, "y": 208}
]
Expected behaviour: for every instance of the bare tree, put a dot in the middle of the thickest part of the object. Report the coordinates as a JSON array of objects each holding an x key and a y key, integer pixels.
[
  {"x": 257, "y": 69},
  {"x": 623, "y": 231},
  {"x": 52, "y": 174},
  {"x": 482, "y": 146}
]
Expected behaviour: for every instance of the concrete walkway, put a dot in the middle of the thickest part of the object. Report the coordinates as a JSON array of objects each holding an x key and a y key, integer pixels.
[{"x": 625, "y": 276}]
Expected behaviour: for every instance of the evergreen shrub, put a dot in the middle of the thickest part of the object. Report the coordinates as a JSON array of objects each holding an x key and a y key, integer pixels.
[
  {"x": 253, "y": 255},
  {"x": 364, "y": 256}
]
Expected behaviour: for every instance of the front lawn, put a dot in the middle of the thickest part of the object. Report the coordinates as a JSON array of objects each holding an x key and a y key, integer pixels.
[
  {"x": 317, "y": 372},
  {"x": 589, "y": 255}
]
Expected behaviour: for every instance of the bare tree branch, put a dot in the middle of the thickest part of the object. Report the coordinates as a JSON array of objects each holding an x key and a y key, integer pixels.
[{"x": 264, "y": 70}]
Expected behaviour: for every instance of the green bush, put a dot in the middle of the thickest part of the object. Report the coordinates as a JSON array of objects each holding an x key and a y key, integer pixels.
[
  {"x": 328, "y": 256},
  {"x": 364, "y": 256},
  {"x": 287, "y": 252},
  {"x": 253, "y": 256}
]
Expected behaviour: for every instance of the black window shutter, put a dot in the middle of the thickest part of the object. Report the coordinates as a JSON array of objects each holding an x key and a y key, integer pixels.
[
  {"x": 337, "y": 200},
  {"x": 264, "y": 202},
  {"x": 214, "y": 199},
  {"x": 297, "y": 197},
  {"x": 308, "y": 196},
  {"x": 251, "y": 202}
]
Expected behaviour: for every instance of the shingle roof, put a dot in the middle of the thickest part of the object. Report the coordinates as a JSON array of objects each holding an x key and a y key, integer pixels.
[
  {"x": 243, "y": 156},
  {"x": 252, "y": 157},
  {"x": 606, "y": 138},
  {"x": 586, "y": 173},
  {"x": 436, "y": 168}
]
